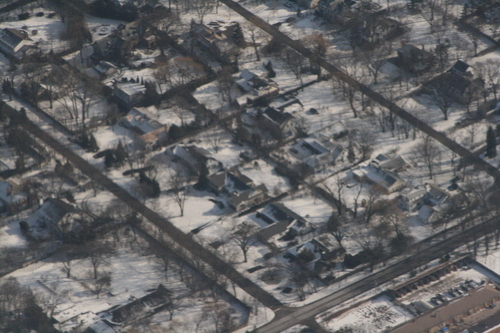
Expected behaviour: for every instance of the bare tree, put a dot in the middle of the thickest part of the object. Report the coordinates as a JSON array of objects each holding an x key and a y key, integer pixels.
[
  {"x": 295, "y": 63},
  {"x": 76, "y": 99},
  {"x": 174, "y": 303},
  {"x": 184, "y": 70},
  {"x": 163, "y": 76},
  {"x": 178, "y": 188},
  {"x": 203, "y": 7},
  {"x": 365, "y": 138},
  {"x": 336, "y": 192},
  {"x": 299, "y": 278},
  {"x": 100, "y": 283},
  {"x": 97, "y": 254},
  {"x": 254, "y": 34},
  {"x": 440, "y": 99},
  {"x": 429, "y": 152},
  {"x": 67, "y": 263},
  {"x": 215, "y": 139},
  {"x": 374, "y": 60},
  {"x": 225, "y": 82},
  {"x": 243, "y": 235}
]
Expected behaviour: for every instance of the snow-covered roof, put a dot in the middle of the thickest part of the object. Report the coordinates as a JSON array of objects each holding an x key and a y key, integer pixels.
[
  {"x": 141, "y": 122},
  {"x": 104, "y": 67},
  {"x": 14, "y": 39},
  {"x": 386, "y": 179}
]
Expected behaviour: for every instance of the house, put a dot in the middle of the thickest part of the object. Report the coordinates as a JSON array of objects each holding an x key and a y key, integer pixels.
[
  {"x": 319, "y": 256},
  {"x": 239, "y": 201},
  {"x": 216, "y": 38},
  {"x": 47, "y": 221},
  {"x": 12, "y": 200},
  {"x": 395, "y": 164},
  {"x": 386, "y": 181},
  {"x": 112, "y": 48},
  {"x": 460, "y": 68},
  {"x": 282, "y": 220},
  {"x": 141, "y": 307},
  {"x": 128, "y": 93},
  {"x": 316, "y": 153},
  {"x": 376, "y": 28},
  {"x": 240, "y": 190},
  {"x": 15, "y": 43},
  {"x": 413, "y": 59},
  {"x": 454, "y": 312},
  {"x": 253, "y": 89},
  {"x": 106, "y": 69},
  {"x": 455, "y": 86},
  {"x": 280, "y": 124},
  {"x": 412, "y": 201},
  {"x": 428, "y": 201},
  {"x": 192, "y": 158},
  {"x": 149, "y": 130},
  {"x": 342, "y": 11}
]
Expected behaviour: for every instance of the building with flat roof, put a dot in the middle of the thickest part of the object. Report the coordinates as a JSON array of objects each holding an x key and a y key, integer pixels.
[{"x": 452, "y": 312}]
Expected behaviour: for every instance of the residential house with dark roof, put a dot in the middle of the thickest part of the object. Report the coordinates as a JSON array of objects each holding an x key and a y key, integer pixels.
[
  {"x": 253, "y": 89},
  {"x": 280, "y": 122},
  {"x": 378, "y": 28},
  {"x": 388, "y": 182},
  {"x": 148, "y": 130},
  {"x": 193, "y": 158},
  {"x": 15, "y": 43},
  {"x": 13, "y": 200},
  {"x": 106, "y": 69},
  {"x": 455, "y": 86},
  {"x": 316, "y": 153},
  {"x": 282, "y": 220},
  {"x": 215, "y": 38},
  {"x": 47, "y": 222},
  {"x": 129, "y": 93},
  {"x": 343, "y": 11},
  {"x": 413, "y": 59},
  {"x": 240, "y": 190},
  {"x": 323, "y": 253}
]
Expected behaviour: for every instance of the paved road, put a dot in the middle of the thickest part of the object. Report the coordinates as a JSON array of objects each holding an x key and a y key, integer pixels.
[
  {"x": 391, "y": 106},
  {"x": 310, "y": 311},
  {"x": 160, "y": 222}
]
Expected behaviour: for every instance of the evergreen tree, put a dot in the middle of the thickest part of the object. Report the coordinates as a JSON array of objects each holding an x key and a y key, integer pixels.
[
  {"x": 109, "y": 159},
  {"x": 120, "y": 154},
  {"x": 491, "y": 144},
  {"x": 93, "y": 146},
  {"x": 238, "y": 37}
]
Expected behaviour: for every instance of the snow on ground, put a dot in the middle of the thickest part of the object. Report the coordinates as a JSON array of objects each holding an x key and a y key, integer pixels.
[
  {"x": 376, "y": 315},
  {"x": 135, "y": 273},
  {"x": 47, "y": 30}
]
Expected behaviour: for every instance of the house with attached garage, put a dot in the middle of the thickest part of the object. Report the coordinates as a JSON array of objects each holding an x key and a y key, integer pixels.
[
  {"x": 16, "y": 44},
  {"x": 387, "y": 181},
  {"x": 13, "y": 199},
  {"x": 413, "y": 59},
  {"x": 282, "y": 220},
  {"x": 193, "y": 158},
  {"x": 240, "y": 190},
  {"x": 251, "y": 88},
  {"x": 316, "y": 153},
  {"x": 147, "y": 129},
  {"x": 282, "y": 124}
]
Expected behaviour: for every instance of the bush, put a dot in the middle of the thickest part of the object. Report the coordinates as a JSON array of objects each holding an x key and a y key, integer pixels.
[
  {"x": 306, "y": 256},
  {"x": 25, "y": 228}
]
